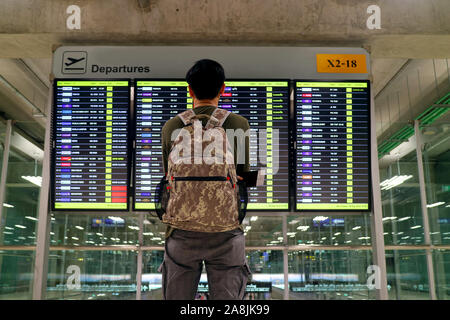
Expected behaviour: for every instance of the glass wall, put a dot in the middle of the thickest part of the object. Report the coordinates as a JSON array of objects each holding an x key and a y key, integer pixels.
[
  {"x": 402, "y": 213},
  {"x": 18, "y": 225},
  {"x": 94, "y": 230},
  {"x": 329, "y": 275},
  {"x": 267, "y": 279},
  {"x": 92, "y": 275},
  {"x": 329, "y": 230},
  {"x": 151, "y": 278},
  {"x": 441, "y": 259},
  {"x": 16, "y": 274},
  {"x": 407, "y": 275},
  {"x": 436, "y": 159}
]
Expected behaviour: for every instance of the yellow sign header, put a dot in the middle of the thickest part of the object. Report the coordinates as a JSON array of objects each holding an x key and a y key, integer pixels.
[{"x": 341, "y": 63}]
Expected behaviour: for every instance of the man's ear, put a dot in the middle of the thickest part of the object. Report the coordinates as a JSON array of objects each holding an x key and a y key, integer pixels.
[
  {"x": 222, "y": 90},
  {"x": 191, "y": 92}
]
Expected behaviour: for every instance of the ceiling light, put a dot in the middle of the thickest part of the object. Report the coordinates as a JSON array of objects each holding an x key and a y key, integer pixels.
[
  {"x": 436, "y": 204},
  {"x": 394, "y": 181},
  {"x": 37, "y": 180},
  {"x": 79, "y": 228},
  {"x": 253, "y": 218},
  {"x": 415, "y": 227},
  {"x": 31, "y": 218},
  {"x": 356, "y": 228},
  {"x": 320, "y": 218},
  {"x": 8, "y": 205},
  {"x": 303, "y": 228},
  {"x": 403, "y": 219}
]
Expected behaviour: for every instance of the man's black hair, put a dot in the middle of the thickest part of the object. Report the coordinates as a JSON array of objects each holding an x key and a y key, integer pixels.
[{"x": 206, "y": 77}]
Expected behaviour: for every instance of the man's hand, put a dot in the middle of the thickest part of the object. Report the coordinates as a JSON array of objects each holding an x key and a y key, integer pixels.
[{"x": 240, "y": 178}]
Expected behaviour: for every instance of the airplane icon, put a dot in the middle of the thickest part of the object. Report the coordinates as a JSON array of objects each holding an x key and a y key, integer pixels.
[{"x": 73, "y": 61}]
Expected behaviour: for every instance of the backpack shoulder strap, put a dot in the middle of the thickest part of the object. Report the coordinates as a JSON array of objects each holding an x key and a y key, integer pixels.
[
  {"x": 217, "y": 119},
  {"x": 186, "y": 116}
]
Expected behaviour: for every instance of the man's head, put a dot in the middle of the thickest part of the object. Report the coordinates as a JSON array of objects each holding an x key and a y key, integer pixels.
[{"x": 206, "y": 80}]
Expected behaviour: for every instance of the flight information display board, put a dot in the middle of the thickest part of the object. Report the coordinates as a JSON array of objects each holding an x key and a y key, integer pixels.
[
  {"x": 90, "y": 169},
  {"x": 155, "y": 103},
  {"x": 263, "y": 103},
  {"x": 332, "y": 151}
]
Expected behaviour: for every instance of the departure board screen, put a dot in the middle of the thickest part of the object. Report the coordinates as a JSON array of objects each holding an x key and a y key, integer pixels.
[
  {"x": 155, "y": 103},
  {"x": 332, "y": 151},
  {"x": 263, "y": 103},
  {"x": 90, "y": 145}
]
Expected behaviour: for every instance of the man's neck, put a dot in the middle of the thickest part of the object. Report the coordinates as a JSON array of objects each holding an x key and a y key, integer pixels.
[{"x": 203, "y": 103}]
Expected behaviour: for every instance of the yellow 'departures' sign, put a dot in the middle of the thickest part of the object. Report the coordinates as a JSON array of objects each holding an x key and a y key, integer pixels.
[{"x": 341, "y": 63}]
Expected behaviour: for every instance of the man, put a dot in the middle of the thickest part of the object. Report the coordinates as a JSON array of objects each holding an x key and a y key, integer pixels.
[{"x": 223, "y": 253}]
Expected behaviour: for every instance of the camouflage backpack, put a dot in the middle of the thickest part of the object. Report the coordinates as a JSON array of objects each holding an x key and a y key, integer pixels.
[{"x": 201, "y": 176}]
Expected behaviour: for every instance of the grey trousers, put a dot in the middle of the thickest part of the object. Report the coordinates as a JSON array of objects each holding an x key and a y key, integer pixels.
[{"x": 223, "y": 254}]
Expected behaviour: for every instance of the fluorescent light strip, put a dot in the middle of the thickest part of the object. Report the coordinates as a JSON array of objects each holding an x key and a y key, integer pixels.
[
  {"x": 37, "y": 180},
  {"x": 436, "y": 204},
  {"x": 394, "y": 181}
]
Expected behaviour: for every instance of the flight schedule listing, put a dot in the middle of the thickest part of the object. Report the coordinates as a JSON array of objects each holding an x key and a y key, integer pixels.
[
  {"x": 332, "y": 145},
  {"x": 90, "y": 149},
  {"x": 156, "y": 102},
  {"x": 263, "y": 103}
]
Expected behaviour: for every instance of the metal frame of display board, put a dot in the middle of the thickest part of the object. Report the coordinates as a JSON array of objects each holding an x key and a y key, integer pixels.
[{"x": 173, "y": 62}]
